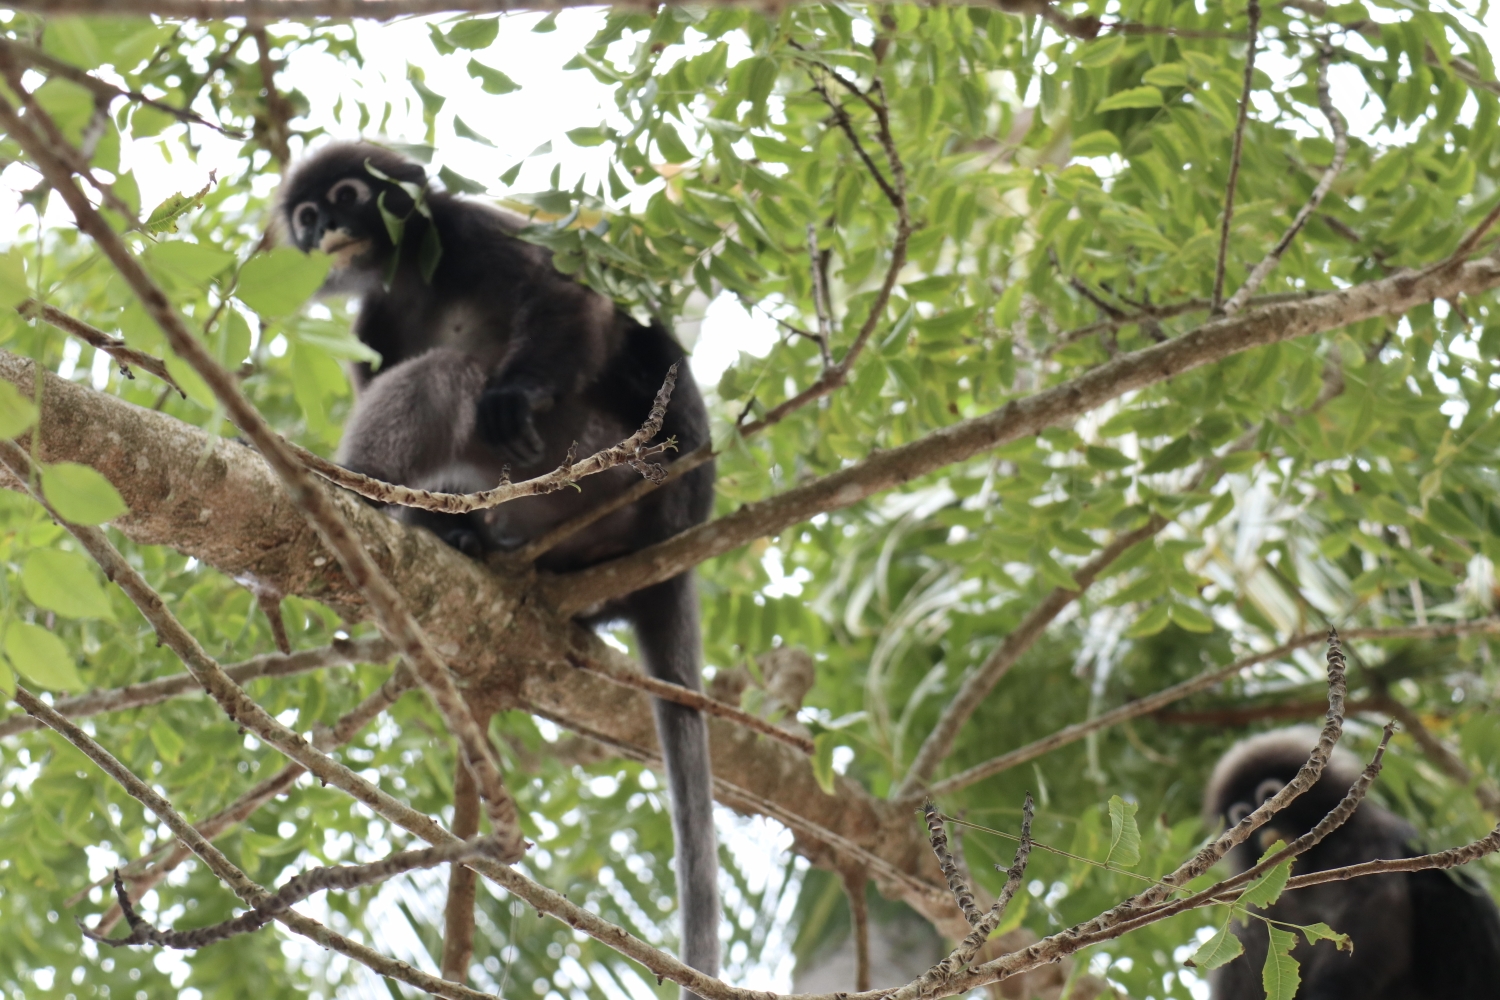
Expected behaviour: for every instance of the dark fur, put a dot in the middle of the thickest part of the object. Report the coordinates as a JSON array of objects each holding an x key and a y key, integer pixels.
[
  {"x": 499, "y": 360},
  {"x": 1429, "y": 935}
]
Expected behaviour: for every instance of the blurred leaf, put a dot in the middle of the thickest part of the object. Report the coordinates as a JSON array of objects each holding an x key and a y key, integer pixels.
[
  {"x": 64, "y": 582},
  {"x": 80, "y": 494},
  {"x": 277, "y": 282},
  {"x": 40, "y": 657}
]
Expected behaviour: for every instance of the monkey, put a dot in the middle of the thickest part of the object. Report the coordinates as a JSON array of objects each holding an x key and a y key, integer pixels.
[
  {"x": 1429, "y": 935},
  {"x": 493, "y": 362}
]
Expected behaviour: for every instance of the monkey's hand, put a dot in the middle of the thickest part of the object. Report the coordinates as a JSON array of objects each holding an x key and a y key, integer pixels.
[{"x": 507, "y": 421}]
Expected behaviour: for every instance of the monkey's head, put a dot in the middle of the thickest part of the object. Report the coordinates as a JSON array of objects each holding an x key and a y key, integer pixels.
[
  {"x": 332, "y": 202},
  {"x": 1255, "y": 769}
]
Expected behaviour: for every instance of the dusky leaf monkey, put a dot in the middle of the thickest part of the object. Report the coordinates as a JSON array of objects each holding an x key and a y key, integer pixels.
[
  {"x": 1430, "y": 935},
  {"x": 491, "y": 359}
]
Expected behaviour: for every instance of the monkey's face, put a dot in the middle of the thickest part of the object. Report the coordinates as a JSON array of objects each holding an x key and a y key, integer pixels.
[
  {"x": 338, "y": 201},
  {"x": 342, "y": 219}
]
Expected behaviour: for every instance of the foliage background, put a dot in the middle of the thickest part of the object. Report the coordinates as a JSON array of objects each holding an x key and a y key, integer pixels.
[{"x": 1048, "y": 174}]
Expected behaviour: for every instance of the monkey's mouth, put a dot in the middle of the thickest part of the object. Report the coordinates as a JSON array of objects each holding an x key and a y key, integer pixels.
[{"x": 342, "y": 247}]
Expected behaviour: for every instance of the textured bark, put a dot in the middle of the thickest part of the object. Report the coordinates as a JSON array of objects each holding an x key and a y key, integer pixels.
[{"x": 216, "y": 500}]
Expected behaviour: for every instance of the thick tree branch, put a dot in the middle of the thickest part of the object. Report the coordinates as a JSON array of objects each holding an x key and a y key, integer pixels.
[{"x": 1060, "y": 405}]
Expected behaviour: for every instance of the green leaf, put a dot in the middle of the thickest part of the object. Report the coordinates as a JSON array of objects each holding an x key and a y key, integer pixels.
[
  {"x": 491, "y": 81},
  {"x": 474, "y": 33},
  {"x": 1173, "y": 74},
  {"x": 1190, "y": 618},
  {"x": 1267, "y": 889},
  {"x": 16, "y": 411},
  {"x": 1221, "y": 949},
  {"x": 80, "y": 494},
  {"x": 163, "y": 217},
  {"x": 1102, "y": 51},
  {"x": 1150, "y": 623},
  {"x": 1124, "y": 835},
  {"x": 822, "y": 762},
  {"x": 1322, "y": 932},
  {"x": 1280, "y": 975},
  {"x": 1135, "y": 97},
  {"x": 40, "y": 657},
  {"x": 1100, "y": 143},
  {"x": 7, "y": 679},
  {"x": 456, "y": 182},
  {"x": 14, "y": 288},
  {"x": 64, "y": 582},
  {"x": 277, "y": 282},
  {"x": 464, "y": 132},
  {"x": 168, "y": 742},
  {"x": 194, "y": 262}
]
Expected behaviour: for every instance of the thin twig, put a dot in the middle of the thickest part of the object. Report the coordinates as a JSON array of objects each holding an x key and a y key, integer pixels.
[
  {"x": 103, "y": 90},
  {"x": 1152, "y": 702},
  {"x": 278, "y": 111},
  {"x": 342, "y": 878},
  {"x": 324, "y": 738},
  {"x": 225, "y": 870},
  {"x": 116, "y": 348},
  {"x": 634, "y": 451},
  {"x": 855, "y": 878},
  {"x": 959, "y": 958},
  {"x": 371, "y": 649},
  {"x": 1253, "y": 12},
  {"x": 532, "y": 550},
  {"x": 1340, "y": 150},
  {"x": 463, "y": 883},
  {"x": 962, "y": 894},
  {"x": 980, "y": 682},
  {"x": 678, "y": 694}
]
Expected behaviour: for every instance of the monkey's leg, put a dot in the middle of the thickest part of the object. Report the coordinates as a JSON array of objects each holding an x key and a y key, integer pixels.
[
  {"x": 414, "y": 425},
  {"x": 665, "y": 617}
]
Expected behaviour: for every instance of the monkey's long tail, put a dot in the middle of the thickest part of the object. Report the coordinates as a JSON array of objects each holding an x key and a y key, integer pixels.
[{"x": 667, "y": 629}]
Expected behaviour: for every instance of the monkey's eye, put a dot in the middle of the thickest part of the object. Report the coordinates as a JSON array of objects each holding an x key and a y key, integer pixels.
[
  {"x": 349, "y": 191},
  {"x": 1237, "y": 812},
  {"x": 1268, "y": 788},
  {"x": 304, "y": 219}
]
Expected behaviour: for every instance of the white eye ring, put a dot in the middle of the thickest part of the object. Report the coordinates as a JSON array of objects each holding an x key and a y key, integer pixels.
[
  {"x": 360, "y": 188},
  {"x": 1237, "y": 812},
  {"x": 1268, "y": 788},
  {"x": 299, "y": 227}
]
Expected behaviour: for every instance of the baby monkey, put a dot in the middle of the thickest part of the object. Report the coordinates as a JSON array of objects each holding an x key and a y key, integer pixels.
[{"x": 492, "y": 360}]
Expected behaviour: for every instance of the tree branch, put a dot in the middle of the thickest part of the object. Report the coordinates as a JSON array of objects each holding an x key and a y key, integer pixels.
[
  {"x": 1340, "y": 150},
  {"x": 633, "y": 451},
  {"x": 324, "y": 738},
  {"x": 1151, "y": 703},
  {"x": 224, "y": 869},
  {"x": 342, "y": 651},
  {"x": 1253, "y": 12},
  {"x": 116, "y": 348},
  {"x": 463, "y": 883},
  {"x": 1215, "y": 340}
]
